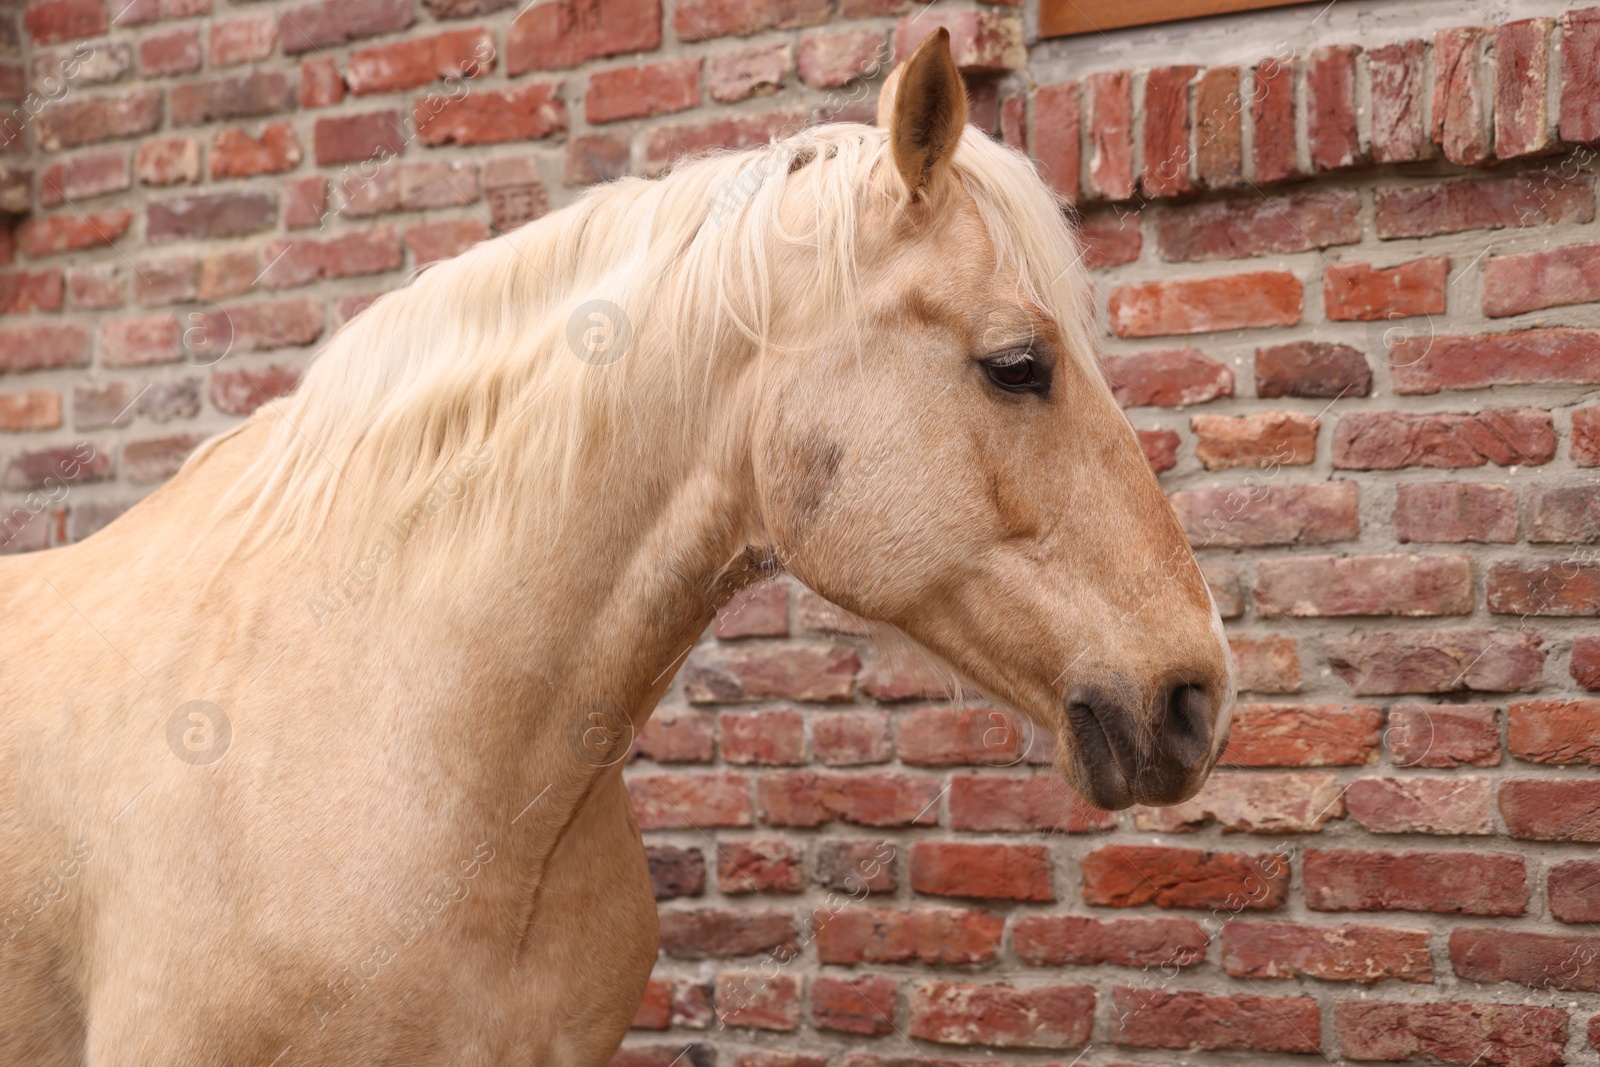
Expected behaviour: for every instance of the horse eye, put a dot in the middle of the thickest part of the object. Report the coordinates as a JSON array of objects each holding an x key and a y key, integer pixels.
[{"x": 1015, "y": 375}]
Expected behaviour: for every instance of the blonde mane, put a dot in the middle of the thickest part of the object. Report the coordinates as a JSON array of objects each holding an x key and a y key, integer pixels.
[{"x": 474, "y": 353}]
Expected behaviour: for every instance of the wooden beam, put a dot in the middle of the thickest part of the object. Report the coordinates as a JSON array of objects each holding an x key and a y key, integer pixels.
[{"x": 1064, "y": 18}]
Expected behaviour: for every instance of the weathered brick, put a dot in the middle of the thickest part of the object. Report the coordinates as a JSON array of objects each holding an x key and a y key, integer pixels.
[
  {"x": 146, "y": 462},
  {"x": 1557, "y": 355},
  {"x": 664, "y": 145},
  {"x": 981, "y": 42},
  {"x": 1574, "y": 891},
  {"x": 1109, "y": 237},
  {"x": 1463, "y": 1034},
  {"x": 1331, "y": 132},
  {"x": 834, "y": 60},
  {"x": 55, "y": 234},
  {"x": 78, "y": 120},
  {"x": 1440, "y": 735},
  {"x": 1154, "y": 1018},
  {"x": 759, "y": 70},
  {"x": 1522, "y": 119},
  {"x": 1554, "y": 731},
  {"x": 23, "y": 291},
  {"x": 244, "y": 39},
  {"x": 1541, "y": 961},
  {"x": 169, "y": 161},
  {"x": 52, "y": 21},
  {"x": 236, "y": 96},
  {"x": 1397, "y": 103},
  {"x": 1108, "y": 113},
  {"x": 734, "y": 675},
  {"x": 1265, "y": 663},
  {"x": 1266, "y": 439},
  {"x": 1365, "y": 954},
  {"x": 637, "y": 92},
  {"x": 320, "y": 24},
  {"x": 521, "y": 113},
  {"x": 1310, "y": 586},
  {"x": 321, "y": 82},
  {"x": 1127, "y": 876},
  {"x": 763, "y": 865},
  {"x": 358, "y": 138},
  {"x": 1000, "y": 1016},
  {"x": 36, "y": 409},
  {"x": 1167, "y": 378},
  {"x": 1391, "y": 440},
  {"x": 1514, "y": 200},
  {"x": 991, "y": 872},
  {"x": 212, "y": 215},
  {"x": 1455, "y": 512},
  {"x": 1491, "y": 661},
  {"x": 43, "y": 344},
  {"x": 1237, "y": 228},
  {"x": 1563, "y": 588},
  {"x": 1057, "y": 140},
  {"x": 240, "y": 392},
  {"x": 1586, "y": 437},
  {"x": 1563, "y": 514},
  {"x": 1219, "y": 128},
  {"x": 807, "y": 798},
  {"x": 99, "y": 285},
  {"x": 863, "y": 1004},
  {"x": 57, "y": 465},
  {"x": 675, "y": 871},
  {"x": 433, "y": 242},
  {"x": 176, "y": 52},
  {"x": 696, "y": 933},
  {"x": 679, "y": 735},
  {"x": 1458, "y": 883},
  {"x": 1166, "y": 131},
  {"x": 1580, "y": 76},
  {"x": 1585, "y": 665},
  {"x": 1253, "y": 802},
  {"x": 1311, "y": 369},
  {"x": 1037, "y": 802},
  {"x": 1272, "y": 114},
  {"x": 758, "y": 611},
  {"x": 772, "y": 738},
  {"x": 235, "y": 154},
  {"x": 1206, "y": 305},
  {"x": 932, "y": 936},
  {"x": 419, "y": 61},
  {"x": 857, "y": 866},
  {"x": 593, "y": 158},
  {"x": 1529, "y": 281},
  {"x": 1538, "y": 809},
  {"x": 1303, "y": 735},
  {"x": 1461, "y": 94},
  {"x": 851, "y": 738},
  {"x": 1362, "y": 293},
  {"x": 1253, "y": 516},
  {"x": 1459, "y": 805},
  {"x": 961, "y": 735},
  {"x": 678, "y": 801},
  {"x": 85, "y": 176},
  {"x": 565, "y": 33}
]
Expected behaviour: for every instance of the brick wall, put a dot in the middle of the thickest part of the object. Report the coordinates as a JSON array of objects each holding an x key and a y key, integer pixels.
[{"x": 1347, "y": 282}]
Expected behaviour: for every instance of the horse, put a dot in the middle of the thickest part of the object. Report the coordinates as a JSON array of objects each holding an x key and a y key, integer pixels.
[{"x": 314, "y": 756}]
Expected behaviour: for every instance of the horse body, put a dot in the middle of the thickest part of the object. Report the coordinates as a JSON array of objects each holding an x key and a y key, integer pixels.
[{"x": 314, "y": 757}]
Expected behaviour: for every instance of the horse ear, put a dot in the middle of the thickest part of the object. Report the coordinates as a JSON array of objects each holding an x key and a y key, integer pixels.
[{"x": 924, "y": 107}]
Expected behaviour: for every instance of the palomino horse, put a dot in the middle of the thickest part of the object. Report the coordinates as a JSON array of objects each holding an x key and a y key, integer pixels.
[{"x": 314, "y": 756}]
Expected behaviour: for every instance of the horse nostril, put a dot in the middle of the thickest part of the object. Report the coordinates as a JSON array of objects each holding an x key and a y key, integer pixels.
[{"x": 1186, "y": 723}]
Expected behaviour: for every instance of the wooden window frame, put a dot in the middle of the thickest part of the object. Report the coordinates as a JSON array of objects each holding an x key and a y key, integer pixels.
[{"x": 1065, "y": 18}]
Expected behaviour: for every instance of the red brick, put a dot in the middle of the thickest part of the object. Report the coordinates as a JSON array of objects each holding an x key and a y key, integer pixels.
[
  {"x": 432, "y": 242},
  {"x": 991, "y": 872},
  {"x": 358, "y": 138},
  {"x": 856, "y": 866},
  {"x": 1365, "y": 954},
  {"x": 36, "y": 409},
  {"x": 1272, "y": 114},
  {"x": 145, "y": 462},
  {"x": 169, "y": 161},
  {"x": 759, "y": 866},
  {"x": 1362, "y": 293},
  {"x": 77, "y": 120},
  {"x": 235, "y": 154},
  {"x": 438, "y": 183},
  {"x": 1057, "y": 135},
  {"x": 898, "y": 676},
  {"x": 1267, "y": 663},
  {"x": 655, "y": 1010},
  {"x": 1542, "y": 961},
  {"x": 1574, "y": 889},
  {"x": 1153, "y": 1018},
  {"x": 1586, "y": 662},
  {"x": 322, "y": 24},
  {"x": 85, "y": 176},
  {"x": 1560, "y": 589},
  {"x": 521, "y": 113},
  {"x": 1455, "y": 512},
  {"x": 1206, "y": 305},
  {"x": 44, "y": 344},
  {"x": 743, "y": 1000},
  {"x": 1586, "y": 437},
  {"x": 321, "y": 82},
  {"x": 1219, "y": 126},
  {"x": 807, "y": 798},
  {"x": 228, "y": 272},
  {"x": 244, "y": 39},
  {"x": 1126, "y": 876},
  {"x": 636, "y": 92},
  {"x": 1445, "y": 661},
  {"x": 961, "y": 735},
  {"x": 1530, "y": 281},
  {"x": 1311, "y": 586},
  {"x": 773, "y": 738},
  {"x": 676, "y": 872},
  {"x": 1108, "y": 113},
  {"x": 302, "y": 260},
  {"x": 1166, "y": 131},
  {"x": 776, "y": 1059},
  {"x": 679, "y": 801},
  {"x": 1563, "y": 514},
  {"x": 1252, "y": 803},
  {"x": 679, "y": 735},
  {"x": 834, "y": 60},
  {"x": 1167, "y": 378},
  {"x": 1435, "y": 735},
  {"x": 54, "y": 466},
  {"x": 565, "y": 33},
  {"x": 235, "y": 96},
  {"x": 53, "y": 21},
  {"x": 1397, "y": 104},
  {"x": 758, "y": 611},
  {"x": 856, "y": 1005},
  {"x": 1558, "y": 356},
  {"x": 1461, "y": 100},
  {"x": 1459, "y": 805},
  {"x": 981, "y": 42},
  {"x": 735, "y": 675},
  {"x": 1514, "y": 200},
  {"x": 1314, "y": 369},
  {"x": 1331, "y": 108},
  {"x": 1109, "y": 237},
  {"x": 999, "y": 1016},
  {"x": 1039, "y": 801},
  {"x": 1452, "y": 1033},
  {"x": 1390, "y": 440},
  {"x": 1240, "y": 227},
  {"x": 1160, "y": 448},
  {"x": 177, "y": 52},
  {"x": 1271, "y": 515},
  {"x": 759, "y": 70},
  {"x": 56, "y": 234},
  {"x": 24, "y": 291},
  {"x": 240, "y": 392},
  {"x": 1580, "y": 76},
  {"x": 1458, "y": 883},
  {"x": 419, "y": 61},
  {"x": 1076, "y": 940},
  {"x": 698, "y": 20},
  {"x": 664, "y": 145},
  {"x": 1545, "y": 810},
  {"x": 1303, "y": 735},
  {"x": 134, "y": 342},
  {"x": 1554, "y": 731},
  {"x": 266, "y": 325},
  {"x": 850, "y": 738},
  {"x": 932, "y": 936},
  {"x": 594, "y": 158},
  {"x": 1522, "y": 119},
  {"x": 1267, "y": 439},
  {"x": 102, "y": 285}
]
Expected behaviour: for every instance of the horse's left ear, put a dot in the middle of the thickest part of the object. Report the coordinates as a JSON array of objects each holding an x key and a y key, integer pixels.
[{"x": 924, "y": 107}]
